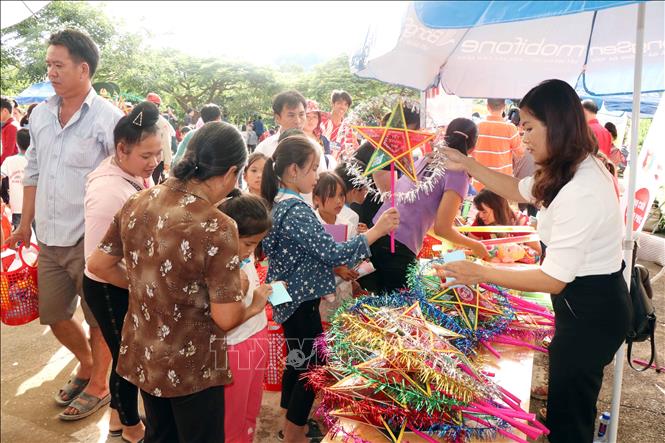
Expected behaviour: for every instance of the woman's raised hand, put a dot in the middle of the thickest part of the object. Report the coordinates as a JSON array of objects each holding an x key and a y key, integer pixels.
[{"x": 455, "y": 160}]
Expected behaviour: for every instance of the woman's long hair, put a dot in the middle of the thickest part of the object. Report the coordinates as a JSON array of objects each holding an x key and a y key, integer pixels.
[
  {"x": 503, "y": 215},
  {"x": 569, "y": 140}
]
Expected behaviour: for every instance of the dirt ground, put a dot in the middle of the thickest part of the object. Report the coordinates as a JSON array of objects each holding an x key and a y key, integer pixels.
[{"x": 34, "y": 365}]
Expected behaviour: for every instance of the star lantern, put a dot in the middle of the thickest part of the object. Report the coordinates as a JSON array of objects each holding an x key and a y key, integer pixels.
[{"x": 394, "y": 143}]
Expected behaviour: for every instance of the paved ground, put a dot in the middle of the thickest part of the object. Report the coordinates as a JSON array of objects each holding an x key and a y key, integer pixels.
[{"x": 33, "y": 367}]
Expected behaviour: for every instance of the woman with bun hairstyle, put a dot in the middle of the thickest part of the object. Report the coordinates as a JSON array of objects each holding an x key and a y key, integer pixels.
[
  {"x": 116, "y": 179},
  {"x": 434, "y": 209},
  {"x": 182, "y": 270}
]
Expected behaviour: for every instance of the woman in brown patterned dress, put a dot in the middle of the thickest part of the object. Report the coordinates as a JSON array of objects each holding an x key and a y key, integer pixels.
[{"x": 181, "y": 267}]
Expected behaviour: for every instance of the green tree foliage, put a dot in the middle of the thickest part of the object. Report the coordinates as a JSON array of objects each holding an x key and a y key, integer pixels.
[
  {"x": 24, "y": 45},
  {"x": 335, "y": 74},
  {"x": 183, "y": 81}
]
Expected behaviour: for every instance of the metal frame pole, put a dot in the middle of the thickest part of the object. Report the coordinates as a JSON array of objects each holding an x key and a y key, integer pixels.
[{"x": 628, "y": 240}]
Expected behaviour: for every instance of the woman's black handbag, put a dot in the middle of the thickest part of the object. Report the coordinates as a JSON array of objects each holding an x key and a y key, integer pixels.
[{"x": 643, "y": 324}]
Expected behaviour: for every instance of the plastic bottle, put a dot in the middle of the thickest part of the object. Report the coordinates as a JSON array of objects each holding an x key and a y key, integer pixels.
[{"x": 603, "y": 424}]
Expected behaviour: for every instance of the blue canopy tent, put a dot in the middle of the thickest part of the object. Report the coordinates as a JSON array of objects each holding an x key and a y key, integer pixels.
[
  {"x": 35, "y": 93},
  {"x": 481, "y": 49},
  {"x": 622, "y": 103}
]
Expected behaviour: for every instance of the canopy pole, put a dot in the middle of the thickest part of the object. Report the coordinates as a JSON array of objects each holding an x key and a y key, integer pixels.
[
  {"x": 629, "y": 238},
  {"x": 423, "y": 109}
]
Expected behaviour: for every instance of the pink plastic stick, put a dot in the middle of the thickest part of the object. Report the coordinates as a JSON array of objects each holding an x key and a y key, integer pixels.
[
  {"x": 422, "y": 435},
  {"x": 392, "y": 204},
  {"x": 499, "y": 430},
  {"x": 516, "y": 300},
  {"x": 540, "y": 426},
  {"x": 530, "y": 431},
  {"x": 516, "y": 413},
  {"x": 490, "y": 348},
  {"x": 505, "y": 392},
  {"x": 466, "y": 369},
  {"x": 547, "y": 315}
]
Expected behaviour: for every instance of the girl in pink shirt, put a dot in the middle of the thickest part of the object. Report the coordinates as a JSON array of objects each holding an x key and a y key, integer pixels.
[{"x": 138, "y": 150}]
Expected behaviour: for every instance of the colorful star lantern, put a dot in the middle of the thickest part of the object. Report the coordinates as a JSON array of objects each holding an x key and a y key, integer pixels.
[
  {"x": 394, "y": 143},
  {"x": 467, "y": 302},
  {"x": 396, "y": 365}
]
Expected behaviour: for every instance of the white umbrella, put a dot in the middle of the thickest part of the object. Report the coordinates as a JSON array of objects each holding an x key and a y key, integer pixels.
[
  {"x": 15, "y": 12},
  {"x": 502, "y": 49}
]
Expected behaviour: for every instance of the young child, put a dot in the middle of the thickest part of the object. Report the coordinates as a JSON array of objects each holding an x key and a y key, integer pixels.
[
  {"x": 354, "y": 194},
  {"x": 253, "y": 172},
  {"x": 247, "y": 343},
  {"x": 329, "y": 198},
  {"x": 13, "y": 167},
  {"x": 302, "y": 254},
  {"x": 493, "y": 210}
]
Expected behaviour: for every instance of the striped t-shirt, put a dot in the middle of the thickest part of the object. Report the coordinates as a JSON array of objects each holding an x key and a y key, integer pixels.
[{"x": 497, "y": 142}]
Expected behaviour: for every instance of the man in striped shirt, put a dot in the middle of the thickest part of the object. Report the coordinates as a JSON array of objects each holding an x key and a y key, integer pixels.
[
  {"x": 498, "y": 141},
  {"x": 336, "y": 129}
]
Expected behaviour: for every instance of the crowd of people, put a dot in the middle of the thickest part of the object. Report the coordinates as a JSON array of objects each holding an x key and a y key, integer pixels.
[{"x": 159, "y": 232}]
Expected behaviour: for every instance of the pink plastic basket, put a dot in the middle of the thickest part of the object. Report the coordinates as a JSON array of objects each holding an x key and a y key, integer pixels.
[{"x": 19, "y": 293}]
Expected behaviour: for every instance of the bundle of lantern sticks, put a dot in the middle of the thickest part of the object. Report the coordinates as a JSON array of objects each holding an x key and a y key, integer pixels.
[{"x": 409, "y": 362}]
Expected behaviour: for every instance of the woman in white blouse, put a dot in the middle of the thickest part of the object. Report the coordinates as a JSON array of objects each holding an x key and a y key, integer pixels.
[{"x": 580, "y": 222}]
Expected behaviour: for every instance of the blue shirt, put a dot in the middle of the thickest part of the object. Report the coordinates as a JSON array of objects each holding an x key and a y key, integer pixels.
[
  {"x": 59, "y": 159},
  {"x": 302, "y": 254}
]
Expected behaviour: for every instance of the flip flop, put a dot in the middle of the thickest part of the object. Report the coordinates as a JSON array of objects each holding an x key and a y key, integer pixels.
[
  {"x": 72, "y": 389},
  {"x": 86, "y": 405}
]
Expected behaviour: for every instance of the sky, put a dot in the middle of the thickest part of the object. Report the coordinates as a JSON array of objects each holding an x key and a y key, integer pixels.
[{"x": 264, "y": 33}]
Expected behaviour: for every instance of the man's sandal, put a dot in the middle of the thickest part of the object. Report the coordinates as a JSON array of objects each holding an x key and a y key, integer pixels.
[
  {"x": 86, "y": 405},
  {"x": 72, "y": 390}
]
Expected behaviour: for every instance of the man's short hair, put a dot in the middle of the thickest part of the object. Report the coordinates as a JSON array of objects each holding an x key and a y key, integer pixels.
[
  {"x": 289, "y": 99},
  {"x": 6, "y": 103},
  {"x": 590, "y": 106},
  {"x": 210, "y": 113},
  {"x": 340, "y": 95},
  {"x": 81, "y": 47},
  {"x": 23, "y": 138},
  {"x": 496, "y": 104}
]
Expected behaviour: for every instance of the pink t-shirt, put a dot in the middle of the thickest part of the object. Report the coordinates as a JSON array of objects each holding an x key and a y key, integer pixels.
[{"x": 107, "y": 189}]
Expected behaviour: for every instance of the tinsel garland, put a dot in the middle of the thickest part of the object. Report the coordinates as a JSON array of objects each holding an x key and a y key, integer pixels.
[
  {"x": 407, "y": 361},
  {"x": 434, "y": 171}
]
